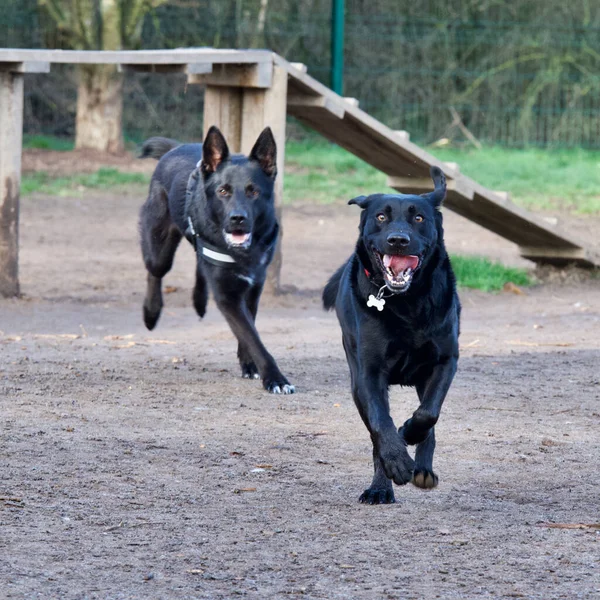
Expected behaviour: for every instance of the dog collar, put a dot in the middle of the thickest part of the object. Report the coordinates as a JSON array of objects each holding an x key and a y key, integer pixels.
[{"x": 209, "y": 253}]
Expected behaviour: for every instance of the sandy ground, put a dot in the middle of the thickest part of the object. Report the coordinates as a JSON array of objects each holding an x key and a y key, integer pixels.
[{"x": 138, "y": 465}]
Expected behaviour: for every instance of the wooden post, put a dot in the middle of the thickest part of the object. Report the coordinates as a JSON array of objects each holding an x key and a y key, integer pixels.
[
  {"x": 262, "y": 108},
  {"x": 241, "y": 113},
  {"x": 11, "y": 136}
]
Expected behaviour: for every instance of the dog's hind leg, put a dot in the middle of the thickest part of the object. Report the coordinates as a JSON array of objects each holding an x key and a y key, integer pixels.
[
  {"x": 381, "y": 490},
  {"x": 159, "y": 240},
  {"x": 423, "y": 476}
]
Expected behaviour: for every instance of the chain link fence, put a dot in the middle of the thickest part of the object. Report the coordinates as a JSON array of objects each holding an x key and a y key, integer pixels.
[{"x": 515, "y": 73}]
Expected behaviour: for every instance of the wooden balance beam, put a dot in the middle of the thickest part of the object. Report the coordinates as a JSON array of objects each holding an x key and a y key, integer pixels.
[{"x": 246, "y": 90}]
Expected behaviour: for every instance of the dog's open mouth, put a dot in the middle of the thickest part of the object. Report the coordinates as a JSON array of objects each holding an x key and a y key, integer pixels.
[
  {"x": 397, "y": 270},
  {"x": 238, "y": 239}
]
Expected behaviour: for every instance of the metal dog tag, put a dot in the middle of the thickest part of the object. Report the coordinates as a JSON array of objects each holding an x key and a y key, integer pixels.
[{"x": 379, "y": 303}]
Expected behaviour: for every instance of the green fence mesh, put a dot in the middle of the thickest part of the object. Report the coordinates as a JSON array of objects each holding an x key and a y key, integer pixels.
[{"x": 515, "y": 73}]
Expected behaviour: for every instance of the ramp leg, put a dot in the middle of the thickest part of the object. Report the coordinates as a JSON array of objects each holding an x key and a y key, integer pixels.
[
  {"x": 242, "y": 113},
  {"x": 11, "y": 137}
]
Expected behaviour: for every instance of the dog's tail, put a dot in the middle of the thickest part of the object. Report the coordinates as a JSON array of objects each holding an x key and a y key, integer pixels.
[
  {"x": 157, "y": 147},
  {"x": 331, "y": 289}
]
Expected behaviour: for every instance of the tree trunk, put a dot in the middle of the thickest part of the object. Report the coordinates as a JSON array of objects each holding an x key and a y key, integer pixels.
[{"x": 99, "y": 109}]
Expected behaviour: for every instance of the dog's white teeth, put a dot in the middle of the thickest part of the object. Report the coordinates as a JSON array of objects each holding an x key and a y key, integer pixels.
[{"x": 387, "y": 260}]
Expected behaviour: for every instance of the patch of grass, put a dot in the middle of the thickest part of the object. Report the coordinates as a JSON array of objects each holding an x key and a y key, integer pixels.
[
  {"x": 104, "y": 178},
  {"x": 535, "y": 178},
  {"x": 480, "y": 273},
  {"x": 322, "y": 172},
  {"x": 47, "y": 142}
]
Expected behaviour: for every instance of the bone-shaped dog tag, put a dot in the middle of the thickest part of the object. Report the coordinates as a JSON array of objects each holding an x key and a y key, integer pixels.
[{"x": 379, "y": 303}]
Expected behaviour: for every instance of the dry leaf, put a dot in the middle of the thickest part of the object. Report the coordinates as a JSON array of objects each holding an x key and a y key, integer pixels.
[
  {"x": 242, "y": 490},
  {"x": 509, "y": 286},
  {"x": 470, "y": 344},
  {"x": 127, "y": 345},
  {"x": 264, "y": 466},
  {"x": 150, "y": 341},
  {"x": 170, "y": 289}
]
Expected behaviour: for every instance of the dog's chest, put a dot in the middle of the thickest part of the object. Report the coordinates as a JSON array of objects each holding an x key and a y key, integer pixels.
[{"x": 410, "y": 358}]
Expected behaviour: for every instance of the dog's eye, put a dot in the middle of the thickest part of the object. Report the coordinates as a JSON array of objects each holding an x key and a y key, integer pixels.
[
  {"x": 223, "y": 191},
  {"x": 381, "y": 217},
  {"x": 251, "y": 191},
  {"x": 419, "y": 218}
]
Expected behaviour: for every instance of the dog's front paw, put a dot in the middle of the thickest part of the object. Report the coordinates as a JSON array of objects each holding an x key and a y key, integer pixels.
[
  {"x": 278, "y": 385},
  {"x": 378, "y": 496},
  {"x": 249, "y": 370},
  {"x": 417, "y": 428},
  {"x": 424, "y": 478},
  {"x": 397, "y": 463}
]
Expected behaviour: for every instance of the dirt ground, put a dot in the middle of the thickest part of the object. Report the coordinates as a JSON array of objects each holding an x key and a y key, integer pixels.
[{"x": 139, "y": 465}]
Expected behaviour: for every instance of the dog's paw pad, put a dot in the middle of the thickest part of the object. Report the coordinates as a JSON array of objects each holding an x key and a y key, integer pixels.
[
  {"x": 424, "y": 479},
  {"x": 377, "y": 496}
]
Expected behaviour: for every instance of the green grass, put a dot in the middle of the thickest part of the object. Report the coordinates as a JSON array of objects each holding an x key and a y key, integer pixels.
[
  {"x": 47, "y": 142},
  {"x": 104, "y": 178},
  {"x": 535, "y": 178},
  {"x": 482, "y": 274},
  {"x": 323, "y": 173}
]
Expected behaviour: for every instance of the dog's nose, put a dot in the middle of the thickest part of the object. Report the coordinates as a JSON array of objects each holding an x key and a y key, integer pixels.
[
  {"x": 237, "y": 218},
  {"x": 398, "y": 239}
]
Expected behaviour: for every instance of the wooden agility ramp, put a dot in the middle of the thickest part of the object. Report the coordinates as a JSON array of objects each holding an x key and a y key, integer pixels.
[
  {"x": 247, "y": 90},
  {"x": 407, "y": 166}
]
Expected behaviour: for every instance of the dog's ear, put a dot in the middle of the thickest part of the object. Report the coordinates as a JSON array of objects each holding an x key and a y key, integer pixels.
[
  {"x": 362, "y": 201},
  {"x": 439, "y": 182},
  {"x": 265, "y": 152},
  {"x": 214, "y": 151}
]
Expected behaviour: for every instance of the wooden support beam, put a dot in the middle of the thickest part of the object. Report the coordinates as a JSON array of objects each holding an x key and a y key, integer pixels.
[
  {"x": 241, "y": 113},
  {"x": 560, "y": 257},
  {"x": 11, "y": 137},
  {"x": 223, "y": 108},
  {"x": 262, "y": 108},
  {"x": 311, "y": 102},
  {"x": 230, "y": 75}
]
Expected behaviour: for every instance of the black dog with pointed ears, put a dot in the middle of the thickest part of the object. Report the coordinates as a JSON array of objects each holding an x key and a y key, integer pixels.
[
  {"x": 397, "y": 305},
  {"x": 223, "y": 204}
]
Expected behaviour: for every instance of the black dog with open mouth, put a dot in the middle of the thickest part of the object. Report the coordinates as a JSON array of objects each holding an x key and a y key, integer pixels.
[
  {"x": 397, "y": 305},
  {"x": 223, "y": 204}
]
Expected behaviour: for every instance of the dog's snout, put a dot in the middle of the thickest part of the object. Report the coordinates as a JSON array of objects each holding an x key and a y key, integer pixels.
[
  {"x": 238, "y": 217},
  {"x": 398, "y": 239}
]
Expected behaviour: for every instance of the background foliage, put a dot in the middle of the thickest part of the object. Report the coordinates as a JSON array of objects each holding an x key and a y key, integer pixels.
[{"x": 518, "y": 72}]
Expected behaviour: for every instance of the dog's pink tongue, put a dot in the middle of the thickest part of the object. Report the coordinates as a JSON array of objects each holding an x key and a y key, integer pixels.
[
  {"x": 398, "y": 264},
  {"x": 239, "y": 238}
]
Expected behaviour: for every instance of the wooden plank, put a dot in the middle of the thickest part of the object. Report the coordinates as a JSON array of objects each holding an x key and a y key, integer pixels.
[
  {"x": 262, "y": 108},
  {"x": 27, "y": 67},
  {"x": 190, "y": 69},
  {"x": 156, "y": 57},
  {"x": 253, "y": 76},
  {"x": 11, "y": 137}
]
